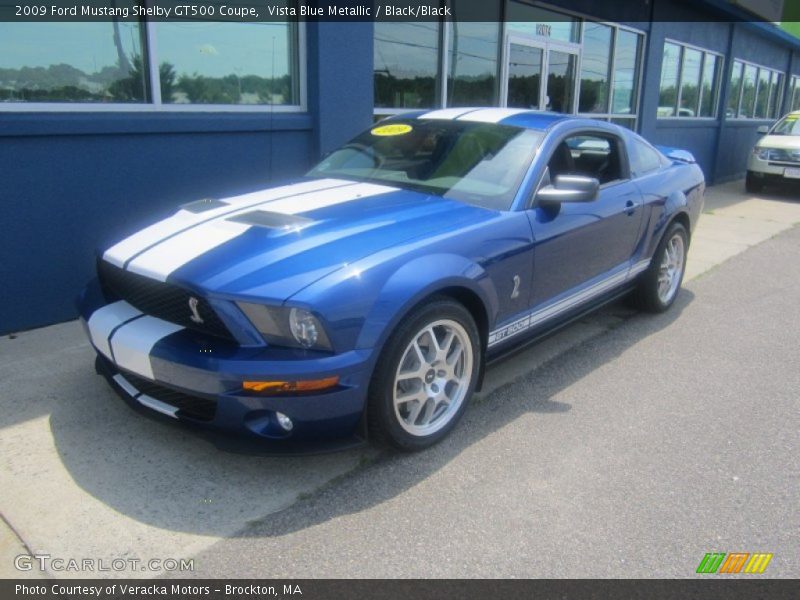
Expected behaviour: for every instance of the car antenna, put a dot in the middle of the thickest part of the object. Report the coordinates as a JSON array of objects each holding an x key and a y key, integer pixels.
[{"x": 271, "y": 112}]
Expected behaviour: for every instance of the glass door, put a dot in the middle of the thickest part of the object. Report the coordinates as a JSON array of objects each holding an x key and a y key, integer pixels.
[
  {"x": 524, "y": 69},
  {"x": 540, "y": 75},
  {"x": 560, "y": 92}
]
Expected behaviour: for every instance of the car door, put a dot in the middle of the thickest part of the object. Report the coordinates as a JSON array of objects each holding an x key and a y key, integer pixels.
[{"x": 578, "y": 244}]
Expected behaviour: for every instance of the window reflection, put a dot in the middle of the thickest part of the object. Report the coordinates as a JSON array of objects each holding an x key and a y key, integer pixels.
[
  {"x": 472, "y": 80},
  {"x": 72, "y": 62},
  {"x": 709, "y": 85},
  {"x": 668, "y": 91},
  {"x": 227, "y": 63},
  {"x": 594, "y": 68},
  {"x": 690, "y": 82},
  {"x": 406, "y": 64},
  {"x": 625, "y": 74}
]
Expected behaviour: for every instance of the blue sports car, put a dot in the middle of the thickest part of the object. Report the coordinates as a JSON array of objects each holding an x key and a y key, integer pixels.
[{"x": 365, "y": 299}]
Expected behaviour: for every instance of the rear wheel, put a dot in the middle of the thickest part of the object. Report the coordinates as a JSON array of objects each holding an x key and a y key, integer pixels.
[
  {"x": 661, "y": 282},
  {"x": 425, "y": 376},
  {"x": 753, "y": 184}
]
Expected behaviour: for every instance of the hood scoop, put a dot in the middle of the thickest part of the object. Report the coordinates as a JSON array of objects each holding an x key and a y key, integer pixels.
[
  {"x": 272, "y": 220},
  {"x": 201, "y": 206}
]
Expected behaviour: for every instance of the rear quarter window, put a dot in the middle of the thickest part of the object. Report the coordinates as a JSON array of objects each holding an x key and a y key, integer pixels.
[{"x": 644, "y": 159}]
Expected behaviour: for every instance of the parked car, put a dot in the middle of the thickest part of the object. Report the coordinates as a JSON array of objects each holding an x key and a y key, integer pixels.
[
  {"x": 365, "y": 299},
  {"x": 776, "y": 156}
]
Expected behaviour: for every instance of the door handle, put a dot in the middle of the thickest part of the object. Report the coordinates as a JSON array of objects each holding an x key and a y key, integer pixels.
[{"x": 630, "y": 207}]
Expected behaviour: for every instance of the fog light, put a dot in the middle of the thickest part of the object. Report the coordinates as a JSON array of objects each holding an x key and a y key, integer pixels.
[{"x": 284, "y": 421}]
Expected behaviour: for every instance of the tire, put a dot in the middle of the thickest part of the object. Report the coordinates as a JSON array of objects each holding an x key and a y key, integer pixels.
[
  {"x": 753, "y": 184},
  {"x": 655, "y": 292},
  {"x": 411, "y": 367}
]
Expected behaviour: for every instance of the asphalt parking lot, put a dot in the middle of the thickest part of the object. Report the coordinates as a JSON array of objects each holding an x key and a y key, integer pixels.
[{"x": 627, "y": 445}]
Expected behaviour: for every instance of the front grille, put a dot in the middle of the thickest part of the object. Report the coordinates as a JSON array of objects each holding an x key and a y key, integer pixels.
[
  {"x": 159, "y": 299},
  {"x": 193, "y": 407}
]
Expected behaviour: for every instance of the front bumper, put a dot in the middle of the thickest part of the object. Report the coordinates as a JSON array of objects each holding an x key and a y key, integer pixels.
[
  {"x": 772, "y": 170},
  {"x": 188, "y": 376}
]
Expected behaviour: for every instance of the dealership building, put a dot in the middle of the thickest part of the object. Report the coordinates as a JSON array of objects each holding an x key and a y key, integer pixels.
[{"x": 105, "y": 126}]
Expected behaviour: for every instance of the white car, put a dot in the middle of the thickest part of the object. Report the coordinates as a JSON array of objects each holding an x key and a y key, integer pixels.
[{"x": 776, "y": 157}]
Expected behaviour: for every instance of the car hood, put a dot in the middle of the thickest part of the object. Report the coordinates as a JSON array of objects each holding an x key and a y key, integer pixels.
[
  {"x": 784, "y": 142},
  {"x": 272, "y": 243}
]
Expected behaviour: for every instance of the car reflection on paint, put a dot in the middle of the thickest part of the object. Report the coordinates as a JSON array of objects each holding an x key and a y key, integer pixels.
[{"x": 365, "y": 299}]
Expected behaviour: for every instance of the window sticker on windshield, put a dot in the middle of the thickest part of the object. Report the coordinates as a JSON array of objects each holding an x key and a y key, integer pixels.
[{"x": 396, "y": 129}]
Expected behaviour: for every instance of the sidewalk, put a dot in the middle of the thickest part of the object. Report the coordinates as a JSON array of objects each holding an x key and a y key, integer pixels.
[{"x": 733, "y": 221}]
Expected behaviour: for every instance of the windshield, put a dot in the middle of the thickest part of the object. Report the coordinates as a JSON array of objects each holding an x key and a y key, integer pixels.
[
  {"x": 788, "y": 125},
  {"x": 477, "y": 163}
]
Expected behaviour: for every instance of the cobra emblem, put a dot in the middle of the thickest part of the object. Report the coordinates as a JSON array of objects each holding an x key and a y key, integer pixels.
[{"x": 193, "y": 302}]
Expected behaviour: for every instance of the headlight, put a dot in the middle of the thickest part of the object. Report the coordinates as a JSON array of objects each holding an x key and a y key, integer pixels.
[
  {"x": 304, "y": 327},
  {"x": 282, "y": 326},
  {"x": 762, "y": 153},
  {"x": 770, "y": 153}
]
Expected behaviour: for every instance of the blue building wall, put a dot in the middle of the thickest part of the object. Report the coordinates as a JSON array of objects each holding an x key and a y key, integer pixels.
[{"x": 76, "y": 181}]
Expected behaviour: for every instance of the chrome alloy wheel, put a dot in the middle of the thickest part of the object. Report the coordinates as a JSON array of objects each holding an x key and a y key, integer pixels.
[
  {"x": 433, "y": 377},
  {"x": 670, "y": 272}
]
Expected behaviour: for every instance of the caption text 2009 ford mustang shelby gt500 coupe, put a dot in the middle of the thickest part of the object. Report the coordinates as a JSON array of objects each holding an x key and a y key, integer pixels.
[{"x": 367, "y": 297}]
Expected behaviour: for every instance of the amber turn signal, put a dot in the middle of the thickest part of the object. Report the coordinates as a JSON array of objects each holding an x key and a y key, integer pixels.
[{"x": 284, "y": 387}]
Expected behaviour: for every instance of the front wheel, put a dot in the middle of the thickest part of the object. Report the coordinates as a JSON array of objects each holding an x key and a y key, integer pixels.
[
  {"x": 753, "y": 184},
  {"x": 660, "y": 284},
  {"x": 425, "y": 376}
]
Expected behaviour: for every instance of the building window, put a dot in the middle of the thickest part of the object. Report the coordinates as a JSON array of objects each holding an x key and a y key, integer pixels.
[
  {"x": 795, "y": 94},
  {"x": 227, "y": 63},
  {"x": 595, "y": 68},
  {"x": 609, "y": 81},
  {"x": 689, "y": 82},
  {"x": 472, "y": 71},
  {"x": 93, "y": 62},
  {"x": 406, "y": 71},
  {"x": 214, "y": 64},
  {"x": 755, "y": 92}
]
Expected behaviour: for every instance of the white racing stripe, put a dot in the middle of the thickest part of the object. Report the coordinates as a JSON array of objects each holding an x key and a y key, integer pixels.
[
  {"x": 104, "y": 320},
  {"x": 120, "y": 253},
  {"x": 164, "y": 258},
  {"x": 492, "y": 115},
  {"x": 126, "y": 385},
  {"x": 133, "y": 342},
  {"x": 446, "y": 113},
  {"x": 144, "y": 399},
  {"x": 158, "y": 405}
]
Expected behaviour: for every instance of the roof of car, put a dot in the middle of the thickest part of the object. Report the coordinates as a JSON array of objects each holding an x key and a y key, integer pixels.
[{"x": 519, "y": 117}]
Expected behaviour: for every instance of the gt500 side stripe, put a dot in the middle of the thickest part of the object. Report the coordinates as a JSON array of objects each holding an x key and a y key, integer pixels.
[{"x": 553, "y": 310}]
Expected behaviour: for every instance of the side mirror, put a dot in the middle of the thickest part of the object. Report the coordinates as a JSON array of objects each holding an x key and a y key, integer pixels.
[
  {"x": 569, "y": 188},
  {"x": 763, "y": 130}
]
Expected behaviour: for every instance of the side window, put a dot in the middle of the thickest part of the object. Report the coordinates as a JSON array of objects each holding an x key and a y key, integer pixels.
[
  {"x": 643, "y": 158},
  {"x": 590, "y": 155}
]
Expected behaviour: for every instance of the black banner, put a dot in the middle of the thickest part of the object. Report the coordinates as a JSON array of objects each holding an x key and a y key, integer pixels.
[
  {"x": 629, "y": 11},
  {"x": 402, "y": 589}
]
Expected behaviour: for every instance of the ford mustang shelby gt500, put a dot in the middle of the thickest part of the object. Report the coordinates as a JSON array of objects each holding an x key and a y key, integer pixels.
[{"x": 367, "y": 297}]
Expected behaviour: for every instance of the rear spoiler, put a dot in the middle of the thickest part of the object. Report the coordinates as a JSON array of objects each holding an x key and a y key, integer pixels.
[{"x": 677, "y": 154}]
